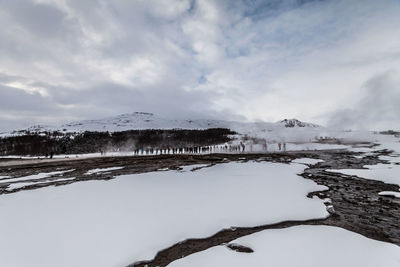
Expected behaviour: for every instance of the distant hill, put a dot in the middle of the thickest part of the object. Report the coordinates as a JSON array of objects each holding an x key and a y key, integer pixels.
[
  {"x": 143, "y": 121},
  {"x": 144, "y": 129},
  {"x": 291, "y": 123}
]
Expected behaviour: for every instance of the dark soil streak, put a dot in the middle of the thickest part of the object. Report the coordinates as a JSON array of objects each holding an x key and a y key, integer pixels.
[
  {"x": 224, "y": 236},
  {"x": 239, "y": 248}
]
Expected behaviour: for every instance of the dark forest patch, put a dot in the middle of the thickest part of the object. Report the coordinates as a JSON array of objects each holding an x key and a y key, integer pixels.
[{"x": 39, "y": 144}]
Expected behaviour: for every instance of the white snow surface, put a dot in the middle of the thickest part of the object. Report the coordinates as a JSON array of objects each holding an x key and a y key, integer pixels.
[
  {"x": 274, "y": 146},
  {"x": 307, "y": 161},
  {"x": 388, "y": 142},
  {"x": 130, "y": 218},
  {"x": 35, "y": 176},
  {"x": 300, "y": 246},
  {"x": 101, "y": 170},
  {"x": 391, "y": 159},
  {"x": 20, "y": 185},
  {"x": 389, "y": 193},
  {"x": 387, "y": 173}
]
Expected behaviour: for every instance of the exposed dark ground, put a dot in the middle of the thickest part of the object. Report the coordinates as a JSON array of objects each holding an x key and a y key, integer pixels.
[{"x": 356, "y": 204}]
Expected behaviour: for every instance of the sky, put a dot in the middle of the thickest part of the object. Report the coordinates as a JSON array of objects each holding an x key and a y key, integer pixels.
[{"x": 332, "y": 62}]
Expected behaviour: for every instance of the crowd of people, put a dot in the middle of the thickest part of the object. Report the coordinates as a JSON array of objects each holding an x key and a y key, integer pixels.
[
  {"x": 191, "y": 150},
  {"x": 226, "y": 148}
]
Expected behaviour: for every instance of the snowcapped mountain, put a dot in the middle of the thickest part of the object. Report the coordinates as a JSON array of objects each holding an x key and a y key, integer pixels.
[
  {"x": 292, "y": 129},
  {"x": 132, "y": 121},
  {"x": 287, "y": 130},
  {"x": 290, "y": 123},
  {"x": 142, "y": 120}
]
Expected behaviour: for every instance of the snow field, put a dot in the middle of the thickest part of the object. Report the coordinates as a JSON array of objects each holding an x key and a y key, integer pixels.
[
  {"x": 389, "y": 193},
  {"x": 387, "y": 173},
  {"x": 301, "y": 246},
  {"x": 35, "y": 176},
  {"x": 21, "y": 185},
  {"x": 101, "y": 170},
  {"x": 130, "y": 218}
]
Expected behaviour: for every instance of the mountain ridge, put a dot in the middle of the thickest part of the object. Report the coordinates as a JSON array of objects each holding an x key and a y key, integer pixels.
[{"x": 145, "y": 120}]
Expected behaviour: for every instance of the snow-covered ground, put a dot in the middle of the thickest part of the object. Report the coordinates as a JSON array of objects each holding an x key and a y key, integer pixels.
[
  {"x": 301, "y": 246},
  {"x": 307, "y": 161},
  {"x": 130, "y": 218},
  {"x": 102, "y": 170},
  {"x": 389, "y": 193},
  {"x": 274, "y": 147},
  {"x": 387, "y": 173},
  {"x": 23, "y": 181},
  {"x": 72, "y": 156},
  {"x": 35, "y": 176},
  {"x": 21, "y": 185}
]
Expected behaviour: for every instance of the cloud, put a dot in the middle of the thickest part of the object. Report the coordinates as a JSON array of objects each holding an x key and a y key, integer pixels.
[
  {"x": 256, "y": 59},
  {"x": 377, "y": 109}
]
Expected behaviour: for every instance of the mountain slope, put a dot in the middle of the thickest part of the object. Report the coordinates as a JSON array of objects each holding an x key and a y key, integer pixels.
[
  {"x": 291, "y": 123},
  {"x": 141, "y": 120}
]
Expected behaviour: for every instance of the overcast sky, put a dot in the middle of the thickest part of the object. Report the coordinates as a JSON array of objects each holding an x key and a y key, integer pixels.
[{"x": 333, "y": 62}]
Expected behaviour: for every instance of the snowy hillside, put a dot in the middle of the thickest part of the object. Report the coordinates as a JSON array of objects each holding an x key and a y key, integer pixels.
[
  {"x": 287, "y": 130},
  {"x": 142, "y": 120},
  {"x": 296, "y": 123}
]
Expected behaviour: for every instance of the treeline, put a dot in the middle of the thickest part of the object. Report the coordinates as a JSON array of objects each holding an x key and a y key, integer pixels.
[
  {"x": 391, "y": 132},
  {"x": 38, "y": 144}
]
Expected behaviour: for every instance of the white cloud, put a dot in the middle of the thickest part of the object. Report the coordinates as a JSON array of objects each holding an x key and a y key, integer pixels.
[
  {"x": 377, "y": 108},
  {"x": 263, "y": 60}
]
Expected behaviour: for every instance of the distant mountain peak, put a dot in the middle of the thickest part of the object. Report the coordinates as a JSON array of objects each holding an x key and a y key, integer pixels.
[
  {"x": 145, "y": 114},
  {"x": 145, "y": 120},
  {"x": 291, "y": 123}
]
